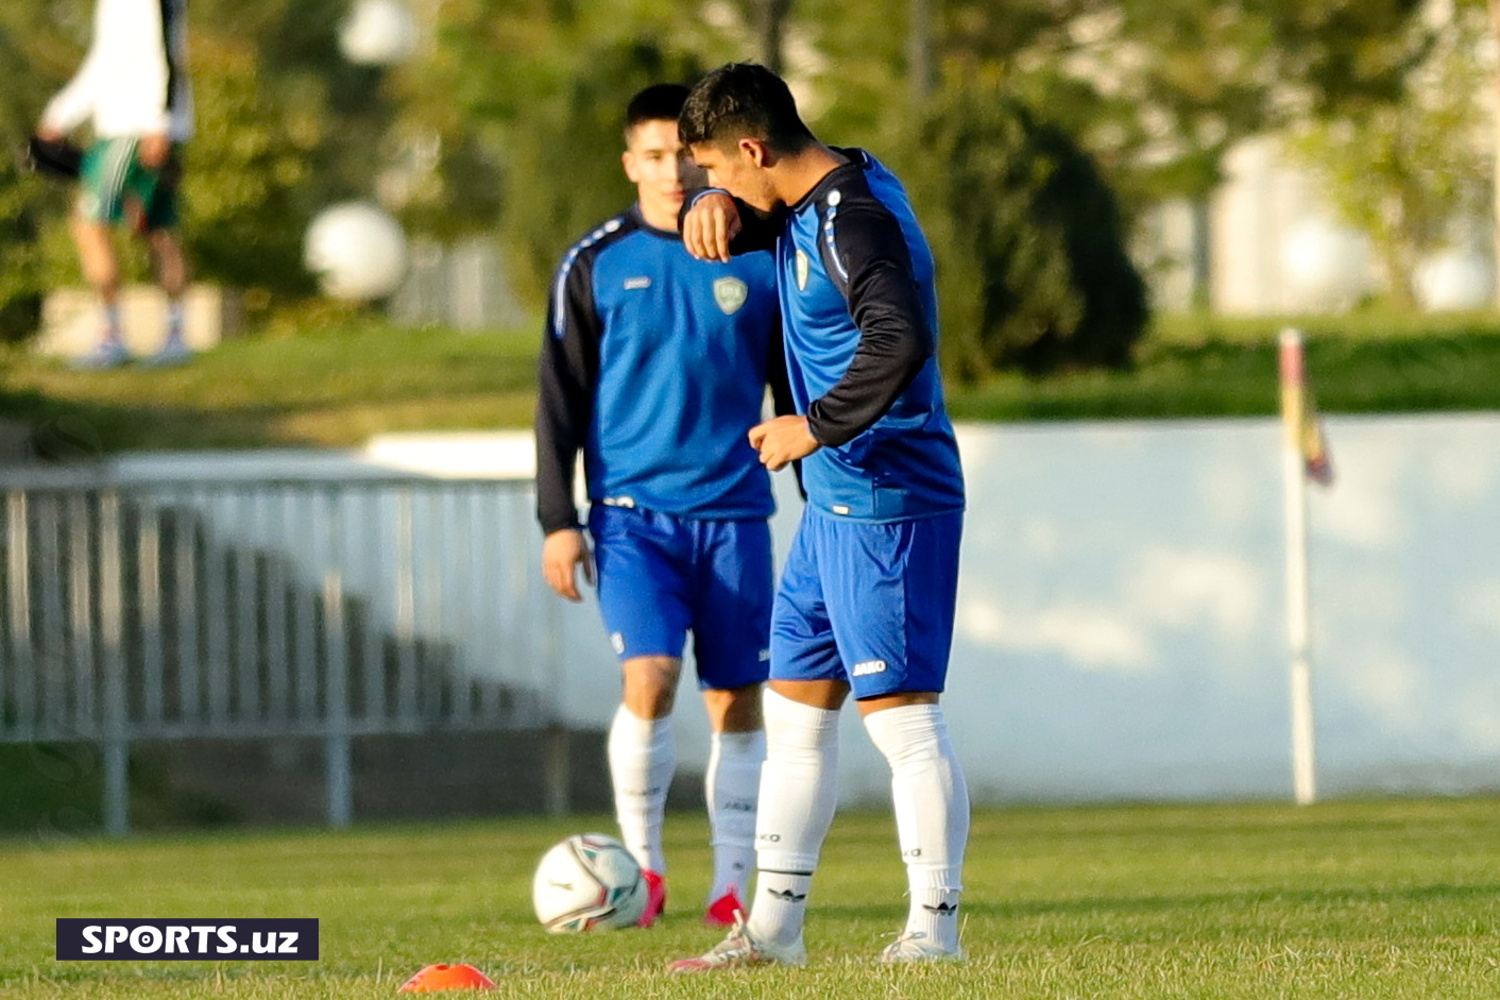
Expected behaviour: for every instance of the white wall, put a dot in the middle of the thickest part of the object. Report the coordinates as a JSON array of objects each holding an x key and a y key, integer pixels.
[
  {"x": 1121, "y": 612},
  {"x": 1121, "y": 628}
]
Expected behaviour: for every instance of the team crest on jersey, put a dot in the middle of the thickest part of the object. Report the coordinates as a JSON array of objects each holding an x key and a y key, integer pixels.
[
  {"x": 730, "y": 294},
  {"x": 803, "y": 266}
]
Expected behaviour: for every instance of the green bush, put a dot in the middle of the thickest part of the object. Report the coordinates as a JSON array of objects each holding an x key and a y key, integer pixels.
[
  {"x": 562, "y": 157},
  {"x": 1033, "y": 273},
  {"x": 20, "y": 277}
]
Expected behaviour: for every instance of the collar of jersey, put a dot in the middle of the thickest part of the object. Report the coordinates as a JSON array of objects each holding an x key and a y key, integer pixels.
[
  {"x": 648, "y": 228},
  {"x": 859, "y": 161}
]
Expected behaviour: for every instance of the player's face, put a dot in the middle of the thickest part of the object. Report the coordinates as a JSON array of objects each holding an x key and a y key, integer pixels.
[
  {"x": 740, "y": 170},
  {"x": 656, "y": 163}
]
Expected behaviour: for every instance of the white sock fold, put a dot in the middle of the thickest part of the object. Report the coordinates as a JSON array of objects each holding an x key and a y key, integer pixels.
[
  {"x": 931, "y": 802},
  {"x": 731, "y": 785},
  {"x": 642, "y": 760},
  {"x": 799, "y": 791}
]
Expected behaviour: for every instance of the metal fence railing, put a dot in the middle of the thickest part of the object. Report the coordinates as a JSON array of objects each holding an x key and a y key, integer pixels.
[{"x": 135, "y": 608}]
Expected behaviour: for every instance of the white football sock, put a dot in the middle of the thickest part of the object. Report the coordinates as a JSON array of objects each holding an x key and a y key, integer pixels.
[
  {"x": 931, "y": 802},
  {"x": 112, "y": 334},
  {"x": 642, "y": 759},
  {"x": 175, "y": 321},
  {"x": 798, "y": 794},
  {"x": 731, "y": 784}
]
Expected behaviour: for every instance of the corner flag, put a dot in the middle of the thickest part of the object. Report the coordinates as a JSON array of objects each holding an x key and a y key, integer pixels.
[
  {"x": 1299, "y": 412},
  {"x": 1305, "y": 456}
]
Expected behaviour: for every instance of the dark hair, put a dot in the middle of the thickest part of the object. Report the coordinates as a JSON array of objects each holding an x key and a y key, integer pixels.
[
  {"x": 658, "y": 102},
  {"x": 743, "y": 99}
]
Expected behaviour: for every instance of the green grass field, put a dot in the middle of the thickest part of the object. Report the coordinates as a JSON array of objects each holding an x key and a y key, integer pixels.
[
  {"x": 1388, "y": 900},
  {"x": 339, "y": 381}
]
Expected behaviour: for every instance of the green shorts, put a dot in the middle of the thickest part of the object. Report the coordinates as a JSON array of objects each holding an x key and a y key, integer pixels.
[{"x": 112, "y": 178}]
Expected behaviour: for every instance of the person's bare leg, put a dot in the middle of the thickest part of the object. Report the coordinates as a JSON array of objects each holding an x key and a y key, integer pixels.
[
  {"x": 101, "y": 269},
  {"x": 171, "y": 268}
]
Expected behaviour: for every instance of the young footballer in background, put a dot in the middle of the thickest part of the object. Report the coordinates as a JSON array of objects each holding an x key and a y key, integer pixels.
[
  {"x": 866, "y": 600},
  {"x": 133, "y": 87},
  {"x": 654, "y": 365}
]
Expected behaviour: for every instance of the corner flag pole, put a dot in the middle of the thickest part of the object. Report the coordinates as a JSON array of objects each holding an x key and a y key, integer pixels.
[{"x": 1303, "y": 455}]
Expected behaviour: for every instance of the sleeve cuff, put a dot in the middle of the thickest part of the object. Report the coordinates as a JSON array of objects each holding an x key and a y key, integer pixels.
[{"x": 704, "y": 193}]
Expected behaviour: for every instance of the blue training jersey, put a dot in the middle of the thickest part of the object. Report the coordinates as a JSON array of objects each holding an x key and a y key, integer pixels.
[
  {"x": 655, "y": 364},
  {"x": 860, "y": 313}
]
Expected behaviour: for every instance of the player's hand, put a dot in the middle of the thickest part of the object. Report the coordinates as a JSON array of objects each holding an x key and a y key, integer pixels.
[
  {"x": 709, "y": 225},
  {"x": 562, "y": 553},
  {"x": 47, "y": 133},
  {"x": 153, "y": 151},
  {"x": 782, "y": 441}
]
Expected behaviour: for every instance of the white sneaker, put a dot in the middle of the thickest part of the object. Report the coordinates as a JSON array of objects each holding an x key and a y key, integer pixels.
[
  {"x": 917, "y": 948},
  {"x": 172, "y": 354},
  {"x": 739, "y": 951},
  {"x": 105, "y": 355}
]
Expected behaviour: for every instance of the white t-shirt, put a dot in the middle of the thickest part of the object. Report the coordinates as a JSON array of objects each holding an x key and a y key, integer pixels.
[{"x": 133, "y": 81}]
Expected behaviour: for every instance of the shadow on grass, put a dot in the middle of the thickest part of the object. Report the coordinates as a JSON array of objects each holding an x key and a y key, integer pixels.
[{"x": 81, "y": 432}]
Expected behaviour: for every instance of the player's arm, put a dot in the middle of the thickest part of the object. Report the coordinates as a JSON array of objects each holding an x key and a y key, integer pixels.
[
  {"x": 715, "y": 226},
  {"x": 153, "y": 79},
  {"x": 870, "y": 262},
  {"x": 567, "y": 371},
  {"x": 71, "y": 106}
]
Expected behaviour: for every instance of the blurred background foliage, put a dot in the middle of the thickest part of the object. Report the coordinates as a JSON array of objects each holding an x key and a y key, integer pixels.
[{"x": 1033, "y": 138}]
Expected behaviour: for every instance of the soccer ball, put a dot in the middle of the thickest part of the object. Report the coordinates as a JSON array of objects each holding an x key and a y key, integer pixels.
[
  {"x": 589, "y": 882},
  {"x": 357, "y": 251}
]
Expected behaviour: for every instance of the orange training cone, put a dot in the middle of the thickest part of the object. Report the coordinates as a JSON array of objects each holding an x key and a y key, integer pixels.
[{"x": 447, "y": 977}]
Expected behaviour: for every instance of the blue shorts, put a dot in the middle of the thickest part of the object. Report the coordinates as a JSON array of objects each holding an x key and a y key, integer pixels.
[
  {"x": 662, "y": 576},
  {"x": 871, "y": 604}
]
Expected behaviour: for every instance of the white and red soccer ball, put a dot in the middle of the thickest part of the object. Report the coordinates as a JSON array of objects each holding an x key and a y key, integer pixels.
[{"x": 589, "y": 882}]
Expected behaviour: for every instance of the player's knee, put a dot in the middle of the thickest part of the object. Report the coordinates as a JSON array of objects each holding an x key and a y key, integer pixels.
[
  {"x": 736, "y": 710},
  {"x": 650, "y": 685}
]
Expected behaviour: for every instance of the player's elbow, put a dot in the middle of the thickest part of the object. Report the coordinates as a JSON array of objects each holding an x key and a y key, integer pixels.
[{"x": 909, "y": 354}]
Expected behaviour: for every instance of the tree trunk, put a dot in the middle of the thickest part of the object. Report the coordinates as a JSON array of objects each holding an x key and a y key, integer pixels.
[
  {"x": 1200, "y": 266},
  {"x": 770, "y": 18},
  {"x": 919, "y": 51}
]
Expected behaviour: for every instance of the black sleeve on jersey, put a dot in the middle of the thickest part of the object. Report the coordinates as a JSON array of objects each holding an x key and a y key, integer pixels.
[
  {"x": 169, "y": 14},
  {"x": 874, "y": 271},
  {"x": 758, "y": 230},
  {"x": 567, "y": 372}
]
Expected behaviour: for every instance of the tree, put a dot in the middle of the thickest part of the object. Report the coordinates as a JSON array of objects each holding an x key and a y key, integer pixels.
[
  {"x": 1033, "y": 272},
  {"x": 1411, "y": 169},
  {"x": 1494, "y": 11},
  {"x": 543, "y": 86},
  {"x": 32, "y": 38},
  {"x": 1157, "y": 91}
]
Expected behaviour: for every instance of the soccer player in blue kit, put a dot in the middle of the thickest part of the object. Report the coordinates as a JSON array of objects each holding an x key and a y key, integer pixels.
[
  {"x": 655, "y": 365},
  {"x": 866, "y": 599}
]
